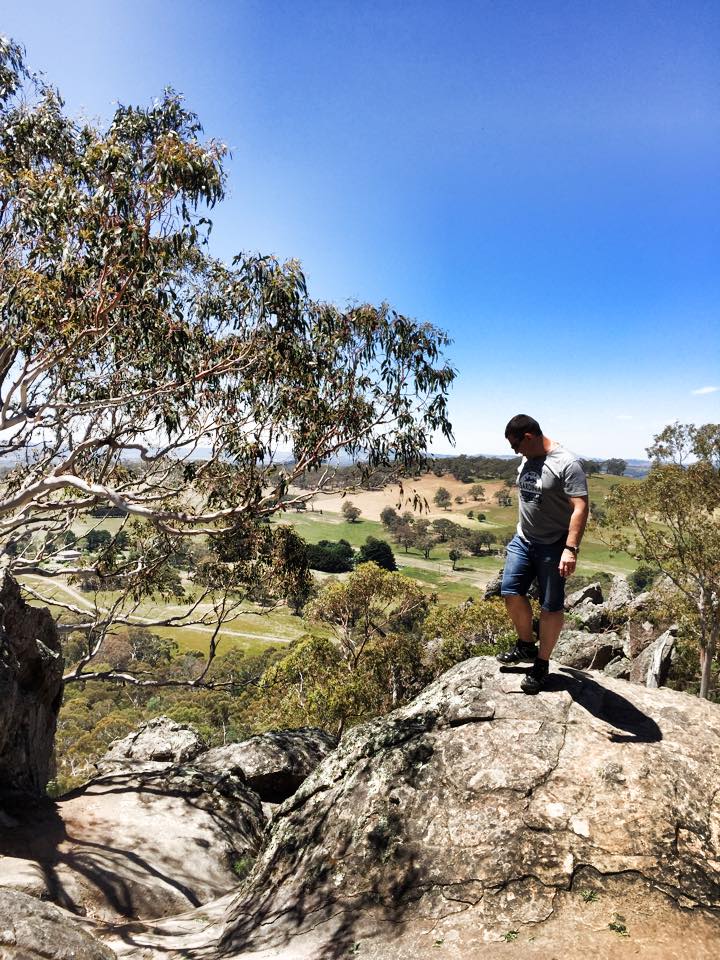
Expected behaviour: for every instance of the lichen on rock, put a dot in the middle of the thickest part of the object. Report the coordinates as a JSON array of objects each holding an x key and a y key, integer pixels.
[{"x": 477, "y": 823}]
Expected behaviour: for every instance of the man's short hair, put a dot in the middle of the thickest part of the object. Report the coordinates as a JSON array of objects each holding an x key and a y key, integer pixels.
[{"x": 522, "y": 424}]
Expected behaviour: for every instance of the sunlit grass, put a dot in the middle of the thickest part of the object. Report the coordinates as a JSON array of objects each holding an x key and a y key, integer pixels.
[
  {"x": 255, "y": 628},
  {"x": 252, "y": 630}
]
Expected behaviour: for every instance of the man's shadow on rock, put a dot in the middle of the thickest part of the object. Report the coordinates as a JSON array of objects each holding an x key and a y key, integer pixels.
[
  {"x": 607, "y": 706},
  {"x": 602, "y": 703}
]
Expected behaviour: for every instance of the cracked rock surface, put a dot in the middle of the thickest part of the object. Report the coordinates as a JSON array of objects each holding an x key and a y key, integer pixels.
[
  {"x": 476, "y": 816},
  {"x": 156, "y": 745}
]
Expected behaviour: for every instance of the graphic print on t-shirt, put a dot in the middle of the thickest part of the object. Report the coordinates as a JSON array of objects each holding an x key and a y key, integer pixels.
[{"x": 530, "y": 484}]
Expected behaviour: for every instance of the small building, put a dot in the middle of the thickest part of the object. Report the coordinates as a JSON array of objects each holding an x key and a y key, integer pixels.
[{"x": 67, "y": 556}]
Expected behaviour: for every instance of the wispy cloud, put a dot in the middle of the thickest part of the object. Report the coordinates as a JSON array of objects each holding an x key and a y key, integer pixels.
[
  {"x": 623, "y": 416},
  {"x": 703, "y": 390}
]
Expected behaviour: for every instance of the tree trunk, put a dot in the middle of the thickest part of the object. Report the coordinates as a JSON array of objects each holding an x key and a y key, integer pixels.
[
  {"x": 707, "y": 655},
  {"x": 705, "y": 664}
]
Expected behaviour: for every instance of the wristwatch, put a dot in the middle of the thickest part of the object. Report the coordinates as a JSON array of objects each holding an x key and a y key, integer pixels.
[{"x": 575, "y": 550}]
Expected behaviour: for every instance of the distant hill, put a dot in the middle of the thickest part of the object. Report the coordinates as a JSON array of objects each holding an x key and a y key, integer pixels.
[
  {"x": 490, "y": 465},
  {"x": 637, "y": 468}
]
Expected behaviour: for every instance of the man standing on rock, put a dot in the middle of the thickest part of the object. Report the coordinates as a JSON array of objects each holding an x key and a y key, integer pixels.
[{"x": 553, "y": 504}]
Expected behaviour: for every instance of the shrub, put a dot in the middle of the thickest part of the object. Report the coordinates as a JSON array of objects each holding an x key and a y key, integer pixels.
[
  {"x": 330, "y": 556},
  {"x": 379, "y": 552},
  {"x": 471, "y": 630},
  {"x": 642, "y": 578}
]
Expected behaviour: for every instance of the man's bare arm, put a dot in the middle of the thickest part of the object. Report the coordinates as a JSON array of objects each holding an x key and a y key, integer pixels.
[{"x": 578, "y": 519}]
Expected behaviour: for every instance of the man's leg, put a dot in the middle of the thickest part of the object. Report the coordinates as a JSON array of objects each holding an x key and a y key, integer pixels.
[
  {"x": 520, "y": 612},
  {"x": 550, "y": 626},
  {"x": 552, "y": 596},
  {"x": 517, "y": 577}
]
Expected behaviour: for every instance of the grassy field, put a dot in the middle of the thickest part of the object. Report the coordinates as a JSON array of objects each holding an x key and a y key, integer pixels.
[
  {"x": 251, "y": 631},
  {"x": 315, "y": 527},
  {"x": 256, "y": 627},
  {"x": 471, "y": 573}
]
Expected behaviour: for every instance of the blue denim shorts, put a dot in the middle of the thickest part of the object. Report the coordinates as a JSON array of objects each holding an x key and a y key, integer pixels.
[{"x": 526, "y": 560}]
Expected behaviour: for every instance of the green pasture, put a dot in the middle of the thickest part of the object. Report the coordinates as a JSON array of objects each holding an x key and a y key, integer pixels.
[
  {"x": 84, "y": 524},
  {"x": 448, "y": 590},
  {"x": 251, "y": 630},
  {"x": 256, "y": 627},
  {"x": 314, "y": 527},
  {"x": 600, "y": 484},
  {"x": 436, "y": 571}
]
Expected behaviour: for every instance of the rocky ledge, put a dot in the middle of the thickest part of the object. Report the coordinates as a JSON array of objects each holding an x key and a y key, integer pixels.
[
  {"x": 477, "y": 816},
  {"x": 476, "y": 823}
]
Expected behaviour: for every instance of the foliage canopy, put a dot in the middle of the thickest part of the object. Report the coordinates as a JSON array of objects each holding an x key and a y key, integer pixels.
[{"x": 141, "y": 374}]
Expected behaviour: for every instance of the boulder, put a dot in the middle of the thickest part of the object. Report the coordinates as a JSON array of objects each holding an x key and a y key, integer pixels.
[
  {"x": 145, "y": 844},
  {"x": 155, "y": 745},
  {"x": 592, "y": 593},
  {"x": 619, "y": 668},
  {"x": 652, "y": 666},
  {"x": 31, "y": 930},
  {"x": 476, "y": 815},
  {"x": 25, "y": 876},
  {"x": 586, "y": 650},
  {"x": 637, "y": 635},
  {"x": 620, "y": 595},
  {"x": 492, "y": 587},
  {"x": 31, "y": 666},
  {"x": 590, "y": 617},
  {"x": 274, "y": 764},
  {"x": 640, "y": 604}
]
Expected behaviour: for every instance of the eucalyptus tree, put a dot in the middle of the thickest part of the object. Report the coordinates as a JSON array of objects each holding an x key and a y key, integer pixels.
[
  {"x": 142, "y": 376},
  {"x": 442, "y": 498},
  {"x": 615, "y": 466}
]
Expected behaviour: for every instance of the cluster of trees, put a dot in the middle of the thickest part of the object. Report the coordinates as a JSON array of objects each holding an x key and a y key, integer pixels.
[
  {"x": 388, "y": 639},
  {"x": 470, "y": 469},
  {"x": 375, "y": 640},
  {"x": 411, "y": 531},
  {"x": 94, "y": 714},
  {"x": 330, "y": 556},
  {"x": 614, "y": 466},
  {"x": 339, "y": 477},
  {"x": 338, "y": 556},
  {"x": 670, "y": 522}
]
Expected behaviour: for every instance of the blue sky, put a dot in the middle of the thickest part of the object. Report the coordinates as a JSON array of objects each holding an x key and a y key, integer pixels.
[{"x": 539, "y": 178}]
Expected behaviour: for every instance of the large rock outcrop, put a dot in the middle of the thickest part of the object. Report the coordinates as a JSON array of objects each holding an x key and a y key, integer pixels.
[
  {"x": 31, "y": 667},
  {"x": 615, "y": 636},
  {"x": 586, "y": 650},
  {"x": 155, "y": 745},
  {"x": 592, "y": 593},
  {"x": 477, "y": 815}
]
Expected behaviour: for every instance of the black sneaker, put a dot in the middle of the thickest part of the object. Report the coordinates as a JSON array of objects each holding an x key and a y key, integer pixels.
[
  {"x": 535, "y": 680},
  {"x": 520, "y": 652}
]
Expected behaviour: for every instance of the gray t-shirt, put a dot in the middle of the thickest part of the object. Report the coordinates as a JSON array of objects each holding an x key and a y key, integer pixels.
[{"x": 544, "y": 485}]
